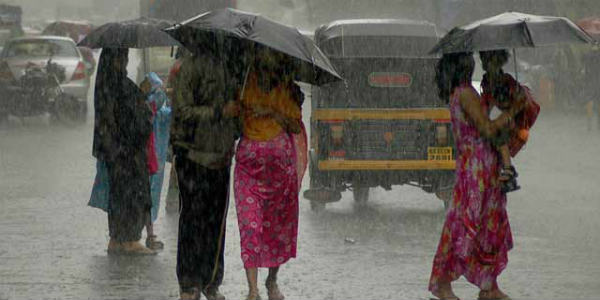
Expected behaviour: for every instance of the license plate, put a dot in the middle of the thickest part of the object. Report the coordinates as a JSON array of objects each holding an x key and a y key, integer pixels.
[{"x": 439, "y": 153}]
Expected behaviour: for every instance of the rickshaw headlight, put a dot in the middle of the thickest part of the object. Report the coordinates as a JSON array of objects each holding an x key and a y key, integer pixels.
[
  {"x": 337, "y": 135},
  {"x": 441, "y": 135}
]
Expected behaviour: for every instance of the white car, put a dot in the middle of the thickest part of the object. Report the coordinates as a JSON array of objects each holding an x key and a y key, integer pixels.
[{"x": 20, "y": 52}]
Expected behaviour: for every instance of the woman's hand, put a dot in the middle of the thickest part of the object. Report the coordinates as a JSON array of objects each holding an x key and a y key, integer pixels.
[
  {"x": 289, "y": 125},
  {"x": 517, "y": 106},
  {"x": 294, "y": 127}
]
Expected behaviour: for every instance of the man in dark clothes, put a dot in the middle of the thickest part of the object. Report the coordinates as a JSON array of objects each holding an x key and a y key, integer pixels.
[
  {"x": 121, "y": 130},
  {"x": 203, "y": 133}
]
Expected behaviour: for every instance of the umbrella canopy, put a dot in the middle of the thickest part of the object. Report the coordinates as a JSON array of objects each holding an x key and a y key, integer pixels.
[
  {"x": 138, "y": 33},
  {"x": 247, "y": 30},
  {"x": 511, "y": 30},
  {"x": 591, "y": 25}
]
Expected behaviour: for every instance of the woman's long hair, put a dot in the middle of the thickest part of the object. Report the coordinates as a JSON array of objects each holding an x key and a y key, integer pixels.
[{"x": 452, "y": 70}]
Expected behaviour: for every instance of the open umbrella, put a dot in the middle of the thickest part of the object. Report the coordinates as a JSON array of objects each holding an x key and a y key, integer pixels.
[
  {"x": 247, "y": 30},
  {"x": 511, "y": 30},
  {"x": 138, "y": 33}
]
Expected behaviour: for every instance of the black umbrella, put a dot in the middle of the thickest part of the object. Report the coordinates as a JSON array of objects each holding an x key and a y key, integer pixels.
[
  {"x": 138, "y": 33},
  {"x": 247, "y": 30},
  {"x": 511, "y": 30}
]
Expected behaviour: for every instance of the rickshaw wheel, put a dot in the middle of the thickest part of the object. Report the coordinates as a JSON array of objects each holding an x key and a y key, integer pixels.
[
  {"x": 361, "y": 195},
  {"x": 446, "y": 197}
]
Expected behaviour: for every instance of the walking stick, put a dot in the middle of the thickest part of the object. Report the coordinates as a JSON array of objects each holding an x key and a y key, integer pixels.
[{"x": 223, "y": 221}]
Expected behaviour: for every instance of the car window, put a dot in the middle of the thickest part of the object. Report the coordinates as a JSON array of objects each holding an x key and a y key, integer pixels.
[{"x": 41, "y": 48}]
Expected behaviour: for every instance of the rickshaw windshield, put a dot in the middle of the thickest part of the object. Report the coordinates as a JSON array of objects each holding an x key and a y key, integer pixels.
[{"x": 379, "y": 46}]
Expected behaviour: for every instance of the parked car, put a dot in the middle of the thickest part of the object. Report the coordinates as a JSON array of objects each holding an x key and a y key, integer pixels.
[
  {"x": 76, "y": 30},
  {"x": 22, "y": 56},
  {"x": 385, "y": 125}
]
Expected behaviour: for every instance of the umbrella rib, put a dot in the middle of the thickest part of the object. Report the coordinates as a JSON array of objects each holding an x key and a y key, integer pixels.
[{"x": 529, "y": 37}]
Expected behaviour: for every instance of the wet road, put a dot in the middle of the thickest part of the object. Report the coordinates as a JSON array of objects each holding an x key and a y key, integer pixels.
[{"x": 52, "y": 246}]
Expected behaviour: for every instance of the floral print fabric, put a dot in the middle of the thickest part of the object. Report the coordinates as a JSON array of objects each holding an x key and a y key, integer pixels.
[
  {"x": 476, "y": 236},
  {"x": 266, "y": 195}
]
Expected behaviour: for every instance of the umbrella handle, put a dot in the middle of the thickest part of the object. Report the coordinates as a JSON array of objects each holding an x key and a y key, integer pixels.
[
  {"x": 515, "y": 62},
  {"x": 245, "y": 82}
]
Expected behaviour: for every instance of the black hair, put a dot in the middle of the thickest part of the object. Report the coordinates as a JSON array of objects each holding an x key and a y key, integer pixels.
[
  {"x": 502, "y": 55},
  {"x": 452, "y": 70}
]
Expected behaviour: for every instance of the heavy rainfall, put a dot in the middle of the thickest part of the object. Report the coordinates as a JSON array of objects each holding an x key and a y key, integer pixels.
[{"x": 299, "y": 149}]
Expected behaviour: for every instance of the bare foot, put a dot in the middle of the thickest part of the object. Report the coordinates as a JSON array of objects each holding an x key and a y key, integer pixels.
[
  {"x": 135, "y": 248},
  {"x": 212, "y": 293},
  {"x": 444, "y": 292},
  {"x": 114, "y": 247},
  {"x": 494, "y": 294},
  {"x": 189, "y": 294},
  {"x": 273, "y": 291}
]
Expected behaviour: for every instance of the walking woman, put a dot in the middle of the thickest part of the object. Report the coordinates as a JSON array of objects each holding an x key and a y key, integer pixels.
[
  {"x": 121, "y": 130},
  {"x": 268, "y": 172},
  {"x": 476, "y": 236}
]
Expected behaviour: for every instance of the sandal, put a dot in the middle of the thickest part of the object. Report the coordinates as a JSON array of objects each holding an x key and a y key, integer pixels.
[
  {"x": 136, "y": 249},
  {"x": 114, "y": 247},
  {"x": 189, "y": 294},
  {"x": 213, "y": 294},
  {"x": 153, "y": 243},
  {"x": 486, "y": 296},
  {"x": 444, "y": 297},
  {"x": 508, "y": 179},
  {"x": 253, "y": 296},
  {"x": 273, "y": 291}
]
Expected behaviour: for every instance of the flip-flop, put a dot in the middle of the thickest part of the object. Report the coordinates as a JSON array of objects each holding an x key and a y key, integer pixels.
[
  {"x": 503, "y": 298},
  {"x": 446, "y": 298}
]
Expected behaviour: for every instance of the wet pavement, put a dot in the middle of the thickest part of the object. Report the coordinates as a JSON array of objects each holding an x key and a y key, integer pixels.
[{"x": 52, "y": 245}]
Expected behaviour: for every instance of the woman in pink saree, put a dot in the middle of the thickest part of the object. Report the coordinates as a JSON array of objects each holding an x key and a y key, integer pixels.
[
  {"x": 270, "y": 164},
  {"x": 476, "y": 236}
]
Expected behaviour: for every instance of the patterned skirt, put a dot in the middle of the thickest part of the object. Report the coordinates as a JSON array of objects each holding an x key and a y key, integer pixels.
[{"x": 266, "y": 195}]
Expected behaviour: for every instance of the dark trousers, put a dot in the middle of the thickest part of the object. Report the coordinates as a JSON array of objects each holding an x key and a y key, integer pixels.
[
  {"x": 129, "y": 198},
  {"x": 200, "y": 247}
]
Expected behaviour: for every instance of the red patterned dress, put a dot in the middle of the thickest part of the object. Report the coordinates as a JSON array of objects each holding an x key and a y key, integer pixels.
[{"x": 476, "y": 236}]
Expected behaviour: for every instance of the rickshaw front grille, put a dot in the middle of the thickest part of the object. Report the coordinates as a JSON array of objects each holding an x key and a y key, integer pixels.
[{"x": 366, "y": 140}]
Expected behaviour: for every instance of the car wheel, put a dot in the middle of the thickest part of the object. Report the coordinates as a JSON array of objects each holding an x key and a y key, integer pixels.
[
  {"x": 67, "y": 110},
  {"x": 361, "y": 195}
]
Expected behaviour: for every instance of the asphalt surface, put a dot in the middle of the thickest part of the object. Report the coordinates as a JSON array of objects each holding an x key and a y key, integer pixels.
[{"x": 53, "y": 246}]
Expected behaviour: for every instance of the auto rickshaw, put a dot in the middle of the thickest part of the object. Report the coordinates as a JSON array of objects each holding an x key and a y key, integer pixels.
[{"x": 385, "y": 125}]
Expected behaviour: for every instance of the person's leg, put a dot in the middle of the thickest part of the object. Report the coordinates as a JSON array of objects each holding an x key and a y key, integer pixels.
[
  {"x": 152, "y": 241},
  {"x": 506, "y": 161},
  {"x": 444, "y": 290},
  {"x": 219, "y": 190},
  {"x": 113, "y": 245},
  {"x": 271, "y": 283},
  {"x": 199, "y": 252},
  {"x": 493, "y": 294},
  {"x": 252, "y": 277},
  {"x": 129, "y": 205},
  {"x": 186, "y": 257},
  {"x": 173, "y": 190},
  {"x": 149, "y": 229}
]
